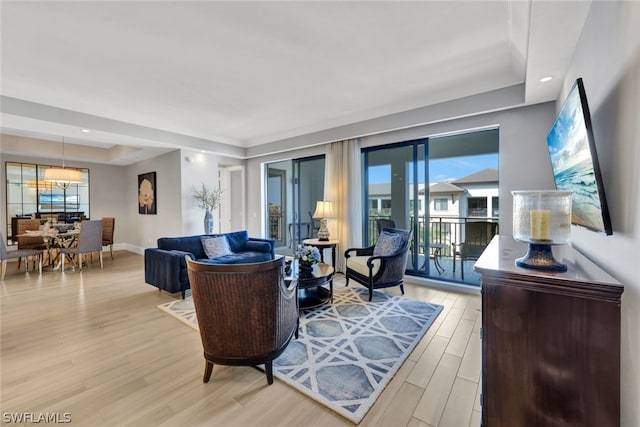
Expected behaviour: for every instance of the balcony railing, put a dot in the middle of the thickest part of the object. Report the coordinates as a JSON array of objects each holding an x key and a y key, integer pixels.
[{"x": 446, "y": 231}]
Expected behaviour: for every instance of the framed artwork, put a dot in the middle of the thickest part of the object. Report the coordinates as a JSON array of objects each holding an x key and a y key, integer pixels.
[{"x": 147, "y": 193}]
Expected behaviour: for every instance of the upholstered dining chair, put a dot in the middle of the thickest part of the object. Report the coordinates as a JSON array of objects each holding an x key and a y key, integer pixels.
[
  {"x": 381, "y": 265},
  {"x": 108, "y": 225},
  {"x": 20, "y": 253},
  {"x": 89, "y": 241},
  {"x": 246, "y": 313},
  {"x": 29, "y": 242}
]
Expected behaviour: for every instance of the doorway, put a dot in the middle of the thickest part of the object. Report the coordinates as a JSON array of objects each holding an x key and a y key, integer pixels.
[{"x": 293, "y": 187}]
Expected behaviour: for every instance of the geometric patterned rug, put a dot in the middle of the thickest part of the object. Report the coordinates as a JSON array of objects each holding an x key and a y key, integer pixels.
[{"x": 348, "y": 351}]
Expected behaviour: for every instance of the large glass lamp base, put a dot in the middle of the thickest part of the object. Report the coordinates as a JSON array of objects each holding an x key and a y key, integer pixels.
[{"x": 540, "y": 257}]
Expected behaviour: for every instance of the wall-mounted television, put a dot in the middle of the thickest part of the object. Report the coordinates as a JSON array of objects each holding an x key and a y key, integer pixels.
[{"x": 575, "y": 163}]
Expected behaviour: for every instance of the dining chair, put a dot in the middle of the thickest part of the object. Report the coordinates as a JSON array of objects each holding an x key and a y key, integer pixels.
[
  {"x": 29, "y": 242},
  {"x": 108, "y": 224},
  {"x": 89, "y": 241},
  {"x": 20, "y": 253}
]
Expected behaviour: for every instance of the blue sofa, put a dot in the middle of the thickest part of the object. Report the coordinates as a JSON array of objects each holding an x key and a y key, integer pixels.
[{"x": 165, "y": 266}]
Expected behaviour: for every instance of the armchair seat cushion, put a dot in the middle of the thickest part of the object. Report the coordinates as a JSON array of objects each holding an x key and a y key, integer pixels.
[{"x": 359, "y": 265}]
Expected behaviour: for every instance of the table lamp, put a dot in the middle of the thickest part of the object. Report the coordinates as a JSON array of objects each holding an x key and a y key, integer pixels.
[
  {"x": 541, "y": 219},
  {"x": 324, "y": 210}
]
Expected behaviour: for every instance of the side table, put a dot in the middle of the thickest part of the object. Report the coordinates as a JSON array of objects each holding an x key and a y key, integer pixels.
[{"x": 322, "y": 245}]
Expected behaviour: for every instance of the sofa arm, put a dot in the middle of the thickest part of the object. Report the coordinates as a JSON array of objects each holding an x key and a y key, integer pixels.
[
  {"x": 255, "y": 244},
  {"x": 162, "y": 268}
]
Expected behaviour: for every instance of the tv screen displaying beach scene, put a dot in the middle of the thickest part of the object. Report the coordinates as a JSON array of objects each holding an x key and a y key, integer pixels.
[{"x": 575, "y": 163}]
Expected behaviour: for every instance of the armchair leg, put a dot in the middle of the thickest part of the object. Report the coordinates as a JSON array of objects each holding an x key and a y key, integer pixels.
[
  {"x": 462, "y": 268},
  {"x": 4, "y": 268},
  {"x": 268, "y": 367},
  {"x": 208, "y": 368},
  {"x": 402, "y": 289}
]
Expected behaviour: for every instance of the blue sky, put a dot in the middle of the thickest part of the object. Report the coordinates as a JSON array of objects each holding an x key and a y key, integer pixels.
[{"x": 442, "y": 169}]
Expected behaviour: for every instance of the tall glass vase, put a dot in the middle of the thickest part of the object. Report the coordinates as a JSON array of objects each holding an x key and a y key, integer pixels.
[{"x": 208, "y": 222}]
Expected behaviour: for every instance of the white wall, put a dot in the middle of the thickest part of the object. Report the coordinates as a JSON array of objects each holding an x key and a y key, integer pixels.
[
  {"x": 608, "y": 60},
  {"x": 142, "y": 231}
]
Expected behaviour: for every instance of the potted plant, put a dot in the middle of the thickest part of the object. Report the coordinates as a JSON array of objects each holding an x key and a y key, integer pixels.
[{"x": 208, "y": 200}]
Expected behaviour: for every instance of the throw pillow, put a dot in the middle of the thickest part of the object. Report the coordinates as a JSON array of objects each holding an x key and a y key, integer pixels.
[
  {"x": 216, "y": 247},
  {"x": 388, "y": 244}
]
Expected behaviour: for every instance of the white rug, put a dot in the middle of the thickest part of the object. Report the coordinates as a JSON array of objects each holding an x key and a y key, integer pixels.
[{"x": 347, "y": 352}]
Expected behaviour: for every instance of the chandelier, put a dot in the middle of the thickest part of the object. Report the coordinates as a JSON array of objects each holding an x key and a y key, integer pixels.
[{"x": 63, "y": 177}]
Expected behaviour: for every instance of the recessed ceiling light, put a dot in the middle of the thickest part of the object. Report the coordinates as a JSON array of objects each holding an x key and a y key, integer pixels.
[
  {"x": 85, "y": 130},
  {"x": 546, "y": 79}
]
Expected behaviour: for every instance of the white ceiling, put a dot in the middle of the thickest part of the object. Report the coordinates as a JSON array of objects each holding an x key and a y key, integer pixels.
[{"x": 225, "y": 76}]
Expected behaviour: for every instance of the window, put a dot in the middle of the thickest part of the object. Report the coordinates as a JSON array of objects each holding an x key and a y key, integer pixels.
[
  {"x": 386, "y": 204},
  {"x": 441, "y": 204},
  {"x": 477, "y": 206},
  {"x": 495, "y": 206},
  {"x": 28, "y": 195},
  {"x": 373, "y": 205}
]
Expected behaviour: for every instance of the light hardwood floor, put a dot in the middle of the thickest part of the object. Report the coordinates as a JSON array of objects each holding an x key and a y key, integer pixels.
[{"x": 94, "y": 345}]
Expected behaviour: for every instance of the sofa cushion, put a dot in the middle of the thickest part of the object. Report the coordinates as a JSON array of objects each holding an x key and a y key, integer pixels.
[
  {"x": 190, "y": 244},
  {"x": 237, "y": 239},
  {"x": 239, "y": 258},
  {"x": 388, "y": 244},
  {"x": 215, "y": 247},
  {"x": 255, "y": 246}
]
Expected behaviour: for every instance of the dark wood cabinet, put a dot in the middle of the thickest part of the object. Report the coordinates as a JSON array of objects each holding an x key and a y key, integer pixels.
[{"x": 550, "y": 341}]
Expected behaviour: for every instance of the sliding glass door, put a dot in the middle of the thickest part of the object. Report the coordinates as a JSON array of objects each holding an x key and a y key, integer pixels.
[
  {"x": 395, "y": 193},
  {"x": 436, "y": 187},
  {"x": 293, "y": 188}
]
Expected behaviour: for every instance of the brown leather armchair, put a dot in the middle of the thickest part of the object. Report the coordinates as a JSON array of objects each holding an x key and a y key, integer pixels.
[{"x": 246, "y": 313}]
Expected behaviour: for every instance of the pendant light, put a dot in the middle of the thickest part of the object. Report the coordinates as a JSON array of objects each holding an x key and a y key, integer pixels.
[{"x": 63, "y": 177}]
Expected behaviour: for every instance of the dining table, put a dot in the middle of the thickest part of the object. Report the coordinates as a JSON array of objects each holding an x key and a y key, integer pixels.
[{"x": 54, "y": 239}]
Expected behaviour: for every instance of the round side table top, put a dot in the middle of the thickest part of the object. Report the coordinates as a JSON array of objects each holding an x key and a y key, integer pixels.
[{"x": 318, "y": 242}]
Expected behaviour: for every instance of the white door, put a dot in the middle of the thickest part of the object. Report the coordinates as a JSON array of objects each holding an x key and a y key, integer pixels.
[{"x": 232, "y": 205}]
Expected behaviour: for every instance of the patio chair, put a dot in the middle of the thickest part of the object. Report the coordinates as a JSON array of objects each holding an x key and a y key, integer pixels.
[
  {"x": 89, "y": 241},
  {"x": 20, "y": 253},
  {"x": 477, "y": 235},
  {"x": 382, "y": 223},
  {"x": 381, "y": 265},
  {"x": 246, "y": 313}
]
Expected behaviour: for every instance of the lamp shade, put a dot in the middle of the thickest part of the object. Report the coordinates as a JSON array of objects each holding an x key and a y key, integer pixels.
[
  {"x": 324, "y": 209},
  {"x": 63, "y": 176}
]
